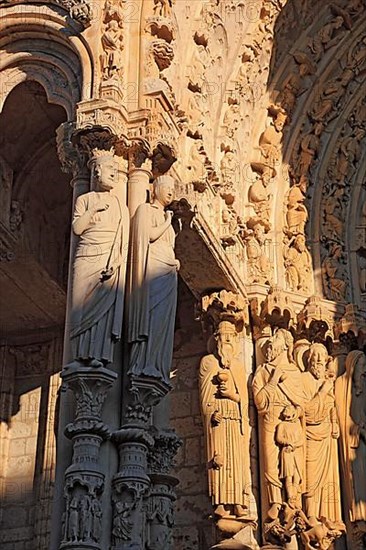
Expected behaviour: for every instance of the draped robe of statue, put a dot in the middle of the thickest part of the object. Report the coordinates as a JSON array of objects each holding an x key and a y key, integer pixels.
[
  {"x": 271, "y": 400},
  {"x": 322, "y": 495},
  {"x": 97, "y": 305},
  {"x": 152, "y": 295},
  {"x": 352, "y": 419},
  {"x": 226, "y": 442}
]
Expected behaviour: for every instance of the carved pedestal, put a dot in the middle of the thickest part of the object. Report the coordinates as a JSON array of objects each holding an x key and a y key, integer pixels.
[
  {"x": 84, "y": 478},
  {"x": 160, "y": 502},
  {"x": 136, "y": 494}
]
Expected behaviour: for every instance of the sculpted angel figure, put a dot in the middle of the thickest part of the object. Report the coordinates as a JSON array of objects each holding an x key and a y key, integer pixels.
[
  {"x": 101, "y": 223},
  {"x": 153, "y": 285}
]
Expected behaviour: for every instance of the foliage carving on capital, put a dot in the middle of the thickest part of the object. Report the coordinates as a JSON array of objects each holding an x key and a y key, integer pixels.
[
  {"x": 72, "y": 157},
  {"x": 166, "y": 445},
  {"x": 224, "y": 306}
]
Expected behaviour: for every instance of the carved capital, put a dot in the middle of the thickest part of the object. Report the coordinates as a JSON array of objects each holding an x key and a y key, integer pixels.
[
  {"x": 166, "y": 446},
  {"x": 351, "y": 328},
  {"x": 315, "y": 321},
  {"x": 275, "y": 310},
  {"x": 90, "y": 387},
  {"x": 139, "y": 154},
  {"x": 224, "y": 306},
  {"x": 72, "y": 157}
]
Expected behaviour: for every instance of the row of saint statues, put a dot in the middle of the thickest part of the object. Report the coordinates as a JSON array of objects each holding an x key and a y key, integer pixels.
[
  {"x": 112, "y": 265},
  {"x": 311, "y": 436}
]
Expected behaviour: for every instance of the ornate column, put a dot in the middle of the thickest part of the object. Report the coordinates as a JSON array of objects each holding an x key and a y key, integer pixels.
[
  {"x": 160, "y": 506},
  {"x": 84, "y": 478},
  {"x": 89, "y": 360},
  {"x": 132, "y": 482}
]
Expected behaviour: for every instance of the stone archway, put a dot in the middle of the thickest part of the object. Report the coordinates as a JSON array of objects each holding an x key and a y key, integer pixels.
[{"x": 36, "y": 200}]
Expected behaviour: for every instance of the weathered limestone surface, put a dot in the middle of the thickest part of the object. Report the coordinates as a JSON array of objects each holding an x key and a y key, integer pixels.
[{"x": 213, "y": 357}]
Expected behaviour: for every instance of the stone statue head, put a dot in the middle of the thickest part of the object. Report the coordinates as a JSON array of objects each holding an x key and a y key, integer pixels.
[
  {"x": 317, "y": 361},
  {"x": 104, "y": 171},
  {"x": 164, "y": 190},
  {"x": 227, "y": 344},
  {"x": 359, "y": 374},
  {"x": 281, "y": 341}
]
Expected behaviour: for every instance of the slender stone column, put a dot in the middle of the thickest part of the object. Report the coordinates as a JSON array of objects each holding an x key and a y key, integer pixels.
[
  {"x": 139, "y": 174},
  {"x": 73, "y": 161},
  {"x": 132, "y": 483}
]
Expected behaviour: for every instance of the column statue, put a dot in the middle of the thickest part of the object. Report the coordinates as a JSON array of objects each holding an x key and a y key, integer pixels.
[
  {"x": 279, "y": 397},
  {"x": 322, "y": 495},
  {"x": 101, "y": 222},
  {"x": 351, "y": 405},
  {"x": 225, "y": 406},
  {"x": 153, "y": 285}
]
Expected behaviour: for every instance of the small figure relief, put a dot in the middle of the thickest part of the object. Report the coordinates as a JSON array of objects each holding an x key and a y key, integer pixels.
[
  {"x": 298, "y": 265},
  {"x": 270, "y": 140},
  {"x": 309, "y": 147},
  {"x": 224, "y": 405},
  {"x": 290, "y": 439},
  {"x": 153, "y": 285},
  {"x": 334, "y": 275},
  {"x": 230, "y": 176},
  {"x": 16, "y": 216},
  {"x": 197, "y": 165},
  {"x": 328, "y": 36},
  {"x": 197, "y": 69},
  {"x": 327, "y": 107},
  {"x": 297, "y": 214},
  {"x": 349, "y": 153},
  {"x": 163, "y": 8},
  {"x": 82, "y": 519},
  {"x": 259, "y": 194},
  {"x": 260, "y": 268},
  {"x": 229, "y": 227},
  {"x": 333, "y": 212},
  {"x": 101, "y": 224},
  {"x": 112, "y": 41},
  {"x": 231, "y": 123},
  {"x": 350, "y": 391},
  {"x": 297, "y": 82}
]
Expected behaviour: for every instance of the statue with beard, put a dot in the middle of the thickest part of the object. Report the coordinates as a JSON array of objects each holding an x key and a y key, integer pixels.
[
  {"x": 277, "y": 386},
  {"x": 350, "y": 390},
  {"x": 322, "y": 491},
  {"x": 224, "y": 405}
]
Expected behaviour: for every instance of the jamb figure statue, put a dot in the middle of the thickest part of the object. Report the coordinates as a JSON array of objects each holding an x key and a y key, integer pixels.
[
  {"x": 224, "y": 405},
  {"x": 153, "y": 285},
  {"x": 102, "y": 224}
]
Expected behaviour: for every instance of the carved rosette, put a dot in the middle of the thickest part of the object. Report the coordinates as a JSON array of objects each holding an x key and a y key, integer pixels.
[{"x": 84, "y": 478}]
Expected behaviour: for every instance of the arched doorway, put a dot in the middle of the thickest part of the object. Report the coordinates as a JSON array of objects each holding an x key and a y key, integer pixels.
[{"x": 36, "y": 199}]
